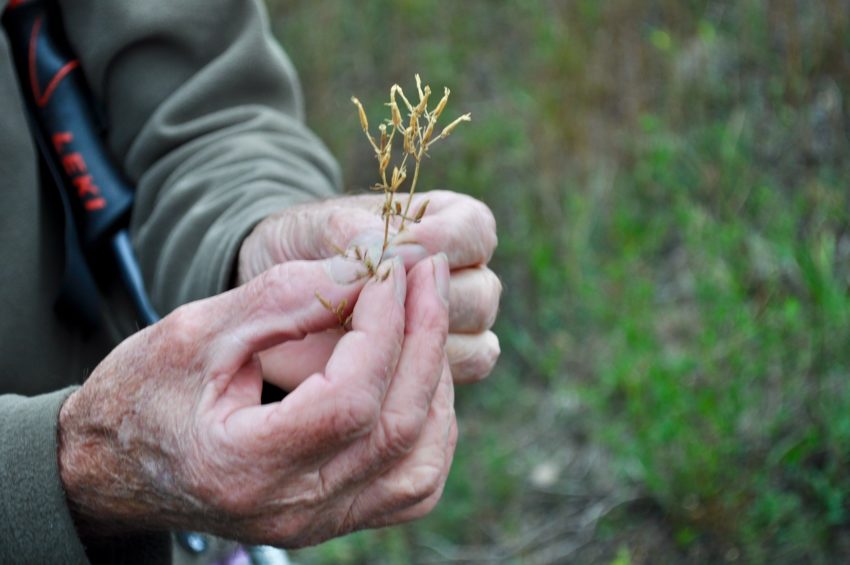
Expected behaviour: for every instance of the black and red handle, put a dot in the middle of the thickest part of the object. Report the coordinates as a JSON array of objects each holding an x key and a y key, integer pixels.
[{"x": 66, "y": 127}]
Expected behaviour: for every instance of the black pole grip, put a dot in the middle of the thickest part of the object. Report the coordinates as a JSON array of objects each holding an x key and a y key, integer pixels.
[{"x": 65, "y": 122}]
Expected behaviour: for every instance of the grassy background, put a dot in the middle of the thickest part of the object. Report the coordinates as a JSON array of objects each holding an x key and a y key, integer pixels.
[{"x": 671, "y": 183}]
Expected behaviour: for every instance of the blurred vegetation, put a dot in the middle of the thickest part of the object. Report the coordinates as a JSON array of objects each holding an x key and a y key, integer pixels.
[{"x": 671, "y": 184}]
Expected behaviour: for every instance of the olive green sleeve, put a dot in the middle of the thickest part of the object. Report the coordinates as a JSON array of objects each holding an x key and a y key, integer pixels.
[
  {"x": 35, "y": 524},
  {"x": 204, "y": 112}
]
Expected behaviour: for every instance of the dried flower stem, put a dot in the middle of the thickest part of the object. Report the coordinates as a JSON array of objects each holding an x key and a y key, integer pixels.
[{"x": 417, "y": 140}]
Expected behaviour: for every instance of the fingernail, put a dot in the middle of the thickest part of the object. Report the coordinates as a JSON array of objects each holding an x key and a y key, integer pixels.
[
  {"x": 441, "y": 276},
  {"x": 410, "y": 253},
  {"x": 403, "y": 237},
  {"x": 343, "y": 271},
  {"x": 368, "y": 244},
  {"x": 400, "y": 280}
]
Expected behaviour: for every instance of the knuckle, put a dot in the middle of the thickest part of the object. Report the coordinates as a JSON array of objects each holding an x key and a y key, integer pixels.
[
  {"x": 296, "y": 531},
  {"x": 473, "y": 360},
  {"x": 483, "y": 222},
  {"x": 271, "y": 290},
  {"x": 340, "y": 226},
  {"x": 257, "y": 288},
  {"x": 269, "y": 284},
  {"x": 426, "y": 482},
  {"x": 183, "y": 326},
  {"x": 427, "y": 506},
  {"x": 434, "y": 317},
  {"x": 490, "y": 297},
  {"x": 355, "y": 417},
  {"x": 231, "y": 501},
  {"x": 493, "y": 351},
  {"x": 399, "y": 433}
]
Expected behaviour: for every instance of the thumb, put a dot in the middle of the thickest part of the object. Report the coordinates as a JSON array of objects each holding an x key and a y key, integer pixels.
[{"x": 284, "y": 303}]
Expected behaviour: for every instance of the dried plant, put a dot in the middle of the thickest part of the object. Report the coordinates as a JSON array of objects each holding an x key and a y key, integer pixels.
[{"x": 415, "y": 135}]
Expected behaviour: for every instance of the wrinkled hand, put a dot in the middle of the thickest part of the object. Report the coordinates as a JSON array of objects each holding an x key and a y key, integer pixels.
[
  {"x": 455, "y": 224},
  {"x": 169, "y": 432}
]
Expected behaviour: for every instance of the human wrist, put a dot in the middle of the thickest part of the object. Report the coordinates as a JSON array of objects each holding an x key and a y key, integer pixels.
[
  {"x": 98, "y": 488},
  {"x": 74, "y": 469}
]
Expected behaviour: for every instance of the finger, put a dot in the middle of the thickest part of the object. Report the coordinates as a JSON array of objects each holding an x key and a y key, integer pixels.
[
  {"x": 459, "y": 225},
  {"x": 408, "y": 401},
  {"x": 287, "y": 365},
  {"x": 286, "y": 302},
  {"x": 317, "y": 231},
  {"x": 411, "y": 488},
  {"x": 428, "y": 504},
  {"x": 334, "y": 227},
  {"x": 422, "y": 508},
  {"x": 335, "y": 407},
  {"x": 474, "y": 300},
  {"x": 472, "y": 357},
  {"x": 235, "y": 326}
]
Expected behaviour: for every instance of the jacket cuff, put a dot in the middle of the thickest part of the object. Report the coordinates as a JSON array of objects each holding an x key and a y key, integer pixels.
[
  {"x": 35, "y": 522},
  {"x": 215, "y": 261}
]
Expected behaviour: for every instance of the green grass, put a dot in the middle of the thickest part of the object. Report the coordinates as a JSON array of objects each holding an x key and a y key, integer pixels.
[{"x": 671, "y": 184}]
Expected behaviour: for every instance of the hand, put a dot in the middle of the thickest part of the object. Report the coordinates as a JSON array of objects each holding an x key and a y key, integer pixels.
[
  {"x": 455, "y": 224},
  {"x": 169, "y": 432}
]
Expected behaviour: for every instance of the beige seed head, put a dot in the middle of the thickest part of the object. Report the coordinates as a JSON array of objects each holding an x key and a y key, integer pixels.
[
  {"x": 429, "y": 131},
  {"x": 423, "y": 103},
  {"x": 442, "y": 104},
  {"x": 421, "y": 212},
  {"x": 396, "y": 115},
  {"x": 448, "y": 129},
  {"x": 397, "y": 90},
  {"x": 383, "y": 129},
  {"x": 399, "y": 176},
  {"x": 364, "y": 123},
  {"x": 419, "y": 87}
]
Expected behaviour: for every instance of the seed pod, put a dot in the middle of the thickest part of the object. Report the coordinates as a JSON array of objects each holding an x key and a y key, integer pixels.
[
  {"x": 409, "y": 146},
  {"x": 420, "y": 213},
  {"x": 442, "y": 104},
  {"x": 399, "y": 175},
  {"x": 383, "y": 129},
  {"x": 448, "y": 129},
  {"x": 397, "y": 89},
  {"x": 364, "y": 122},
  {"x": 429, "y": 131},
  {"x": 419, "y": 87},
  {"x": 423, "y": 103}
]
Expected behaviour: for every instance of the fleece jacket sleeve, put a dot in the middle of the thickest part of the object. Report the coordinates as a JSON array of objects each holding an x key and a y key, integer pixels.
[
  {"x": 204, "y": 112},
  {"x": 35, "y": 524}
]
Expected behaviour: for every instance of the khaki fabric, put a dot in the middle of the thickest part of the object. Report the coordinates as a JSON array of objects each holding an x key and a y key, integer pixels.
[{"x": 205, "y": 117}]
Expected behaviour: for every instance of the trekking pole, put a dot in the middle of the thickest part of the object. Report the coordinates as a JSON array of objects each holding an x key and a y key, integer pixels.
[{"x": 66, "y": 129}]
